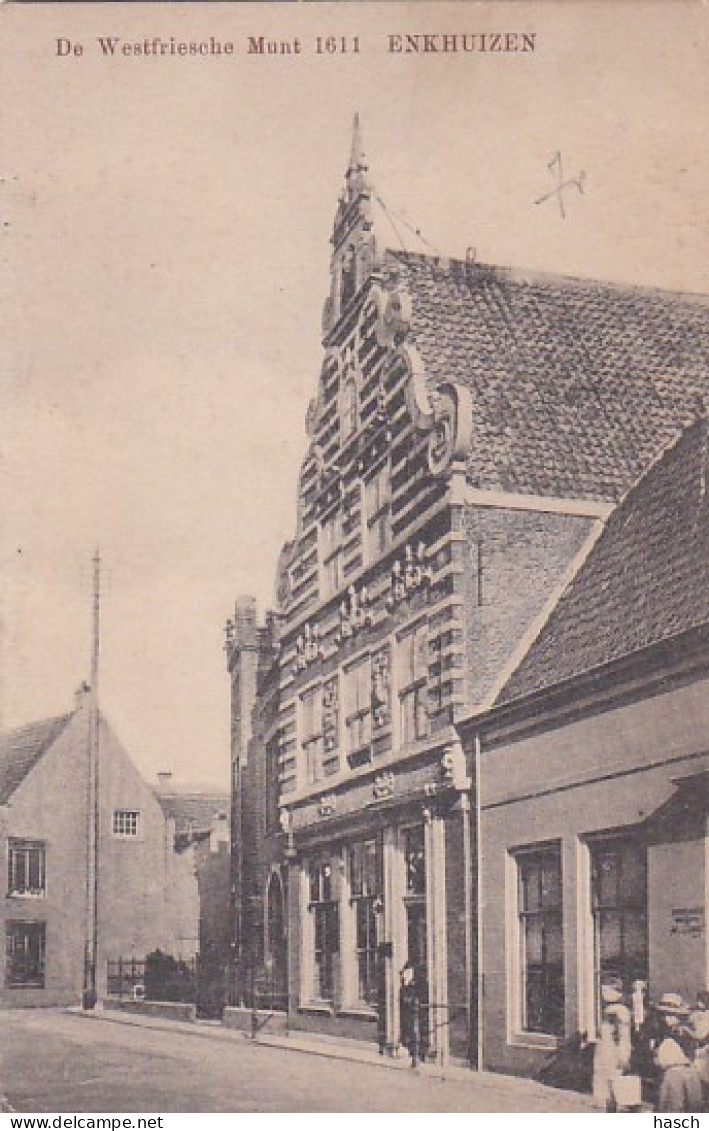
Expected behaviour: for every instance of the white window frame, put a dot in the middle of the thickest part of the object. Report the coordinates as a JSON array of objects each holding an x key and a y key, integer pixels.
[
  {"x": 320, "y": 911},
  {"x": 370, "y": 902},
  {"x": 360, "y": 713},
  {"x": 126, "y": 824},
  {"x": 517, "y": 1034},
  {"x": 615, "y": 841},
  {"x": 417, "y": 684},
  {"x": 310, "y": 742},
  {"x": 17, "y": 846}
]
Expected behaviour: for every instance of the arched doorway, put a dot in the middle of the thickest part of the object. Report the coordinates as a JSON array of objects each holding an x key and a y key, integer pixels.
[{"x": 276, "y": 951}]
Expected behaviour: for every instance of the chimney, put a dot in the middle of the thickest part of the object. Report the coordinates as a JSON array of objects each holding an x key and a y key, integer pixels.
[
  {"x": 164, "y": 780},
  {"x": 81, "y": 696},
  {"x": 219, "y": 832}
]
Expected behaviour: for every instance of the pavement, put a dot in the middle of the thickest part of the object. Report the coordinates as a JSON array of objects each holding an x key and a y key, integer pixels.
[
  {"x": 56, "y": 1060},
  {"x": 519, "y": 1089}
]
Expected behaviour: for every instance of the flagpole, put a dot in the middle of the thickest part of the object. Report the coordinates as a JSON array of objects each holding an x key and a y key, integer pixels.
[{"x": 93, "y": 799}]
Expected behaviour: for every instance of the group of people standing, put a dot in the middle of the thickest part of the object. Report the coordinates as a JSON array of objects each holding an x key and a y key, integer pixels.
[{"x": 656, "y": 1055}]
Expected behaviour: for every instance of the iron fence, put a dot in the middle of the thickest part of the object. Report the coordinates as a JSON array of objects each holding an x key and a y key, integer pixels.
[
  {"x": 157, "y": 977},
  {"x": 126, "y": 978}
]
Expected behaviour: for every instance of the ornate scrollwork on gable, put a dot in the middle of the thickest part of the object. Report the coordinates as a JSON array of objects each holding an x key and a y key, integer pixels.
[
  {"x": 452, "y": 428},
  {"x": 445, "y": 412},
  {"x": 394, "y": 310},
  {"x": 418, "y": 401}
]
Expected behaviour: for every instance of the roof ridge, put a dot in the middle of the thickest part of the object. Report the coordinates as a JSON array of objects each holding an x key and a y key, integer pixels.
[
  {"x": 681, "y": 435},
  {"x": 681, "y": 450},
  {"x": 23, "y": 747},
  {"x": 46, "y": 722},
  {"x": 540, "y": 275}
]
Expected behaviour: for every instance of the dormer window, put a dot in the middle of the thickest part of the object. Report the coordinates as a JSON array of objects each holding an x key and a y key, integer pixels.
[{"x": 348, "y": 409}]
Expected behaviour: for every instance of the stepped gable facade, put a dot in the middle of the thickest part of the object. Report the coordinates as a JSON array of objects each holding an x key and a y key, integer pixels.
[{"x": 471, "y": 431}]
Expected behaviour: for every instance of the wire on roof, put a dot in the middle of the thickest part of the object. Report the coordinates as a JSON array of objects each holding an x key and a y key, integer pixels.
[{"x": 414, "y": 231}]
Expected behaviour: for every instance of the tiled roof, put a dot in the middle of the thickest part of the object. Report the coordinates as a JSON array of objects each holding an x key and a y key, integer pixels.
[
  {"x": 645, "y": 581},
  {"x": 192, "y": 810},
  {"x": 21, "y": 749},
  {"x": 576, "y": 385}
]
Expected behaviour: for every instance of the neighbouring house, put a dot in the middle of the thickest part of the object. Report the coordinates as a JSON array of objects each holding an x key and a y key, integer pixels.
[
  {"x": 259, "y": 875},
  {"x": 46, "y": 837},
  {"x": 472, "y": 429},
  {"x": 198, "y": 815},
  {"x": 594, "y": 779}
]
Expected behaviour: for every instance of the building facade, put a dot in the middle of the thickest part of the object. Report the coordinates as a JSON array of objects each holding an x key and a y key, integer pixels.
[
  {"x": 46, "y": 829},
  {"x": 258, "y": 874},
  {"x": 472, "y": 429},
  {"x": 197, "y": 816},
  {"x": 595, "y": 780}
]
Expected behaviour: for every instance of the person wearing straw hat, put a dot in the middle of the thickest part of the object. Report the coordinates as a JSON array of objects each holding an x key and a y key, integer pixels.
[
  {"x": 681, "y": 1087},
  {"x": 612, "y": 1052},
  {"x": 698, "y": 1027}
]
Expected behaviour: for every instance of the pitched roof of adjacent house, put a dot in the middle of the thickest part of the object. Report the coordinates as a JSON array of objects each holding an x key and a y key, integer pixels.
[
  {"x": 21, "y": 749},
  {"x": 576, "y": 385},
  {"x": 193, "y": 808},
  {"x": 645, "y": 581}
]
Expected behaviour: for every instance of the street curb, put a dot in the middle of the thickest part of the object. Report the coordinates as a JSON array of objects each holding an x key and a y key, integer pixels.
[{"x": 453, "y": 1074}]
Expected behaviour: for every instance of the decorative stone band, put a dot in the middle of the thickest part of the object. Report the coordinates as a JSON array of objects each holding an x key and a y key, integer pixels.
[
  {"x": 409, "y": 575},
  {"x": 308, "y": 648},
  {"x": 355, "y": 613},
  {"x": 453, "y": 767},
  {"x": 383, "y": 785},
  {"x": 327, "y": 805}
]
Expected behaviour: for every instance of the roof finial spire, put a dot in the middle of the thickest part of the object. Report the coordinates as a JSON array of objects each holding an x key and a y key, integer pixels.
[
  {"x": 357, "y": 169},
  {"x": 357, "y": 158}
]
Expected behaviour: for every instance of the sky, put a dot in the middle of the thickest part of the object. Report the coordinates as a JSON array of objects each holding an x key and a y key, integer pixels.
[{"x": 167, "y": 227}]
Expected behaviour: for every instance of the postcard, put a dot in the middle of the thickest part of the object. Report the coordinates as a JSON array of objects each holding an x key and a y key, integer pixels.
[{"x": 355, "y": 563}]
